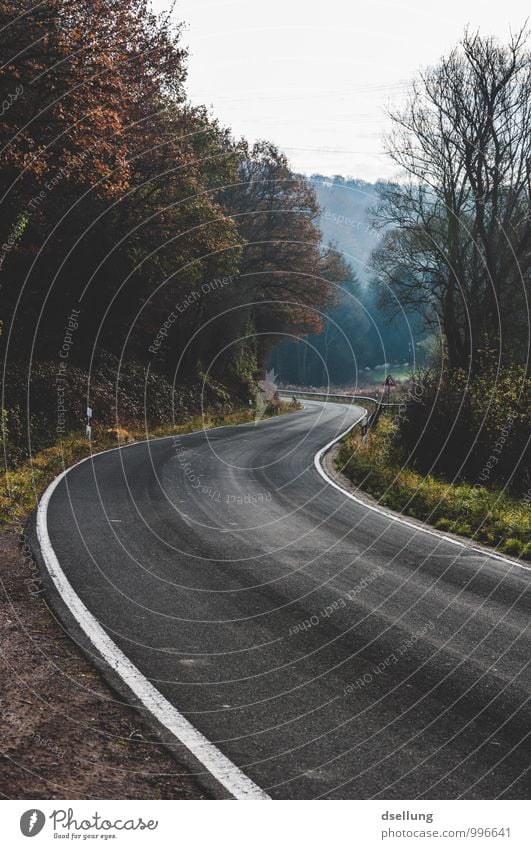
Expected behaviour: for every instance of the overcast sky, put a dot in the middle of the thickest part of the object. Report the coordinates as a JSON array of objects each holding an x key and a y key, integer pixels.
[{"x": 316, "y": 76}]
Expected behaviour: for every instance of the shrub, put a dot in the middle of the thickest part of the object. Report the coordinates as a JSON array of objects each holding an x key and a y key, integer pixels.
[
  {"x": 487, "y": 515},
  {"x": 512, "y": 546},
  {"x": 470, "y": 429}
]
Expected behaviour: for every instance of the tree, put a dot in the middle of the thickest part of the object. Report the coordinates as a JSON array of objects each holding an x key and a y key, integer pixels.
[
  {"x": 458, "y": 243},
  {"x": 285, "y": 271},
  {"x": 124, "y": 201},
  {"x": 87, "y": 73},
  {"x": 108, "y": 178}
]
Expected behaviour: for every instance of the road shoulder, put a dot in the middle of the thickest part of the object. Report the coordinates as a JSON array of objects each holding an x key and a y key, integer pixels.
[{"x": 65, "y": 733}]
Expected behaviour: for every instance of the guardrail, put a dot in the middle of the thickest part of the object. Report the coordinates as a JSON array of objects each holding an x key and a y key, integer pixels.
[{"x": 332, "y": 396}]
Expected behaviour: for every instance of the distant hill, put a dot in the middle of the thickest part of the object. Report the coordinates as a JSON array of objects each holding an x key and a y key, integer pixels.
[
  {"x": 345, "y": 218},
  {"x": 360, "y": 342}
]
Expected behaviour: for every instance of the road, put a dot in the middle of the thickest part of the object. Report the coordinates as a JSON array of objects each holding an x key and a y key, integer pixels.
[{"x": 327, "y": 650}]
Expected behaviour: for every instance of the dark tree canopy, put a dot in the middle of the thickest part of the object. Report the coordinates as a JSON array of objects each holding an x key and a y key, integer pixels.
[{"x": 122, "y": 199}]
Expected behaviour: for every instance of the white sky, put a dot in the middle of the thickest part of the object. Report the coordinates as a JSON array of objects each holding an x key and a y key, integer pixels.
[{"x": 315, "y": 76}]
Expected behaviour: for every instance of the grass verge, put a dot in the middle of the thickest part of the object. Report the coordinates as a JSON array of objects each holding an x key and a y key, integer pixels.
[
  {"x": 23, "y": 485},
  {"x": 486, "y": 515},
  {"x": 64, "y": 732}
]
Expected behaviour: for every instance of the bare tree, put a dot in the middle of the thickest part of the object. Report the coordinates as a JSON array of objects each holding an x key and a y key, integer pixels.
[{"x": 457, "y": 240}]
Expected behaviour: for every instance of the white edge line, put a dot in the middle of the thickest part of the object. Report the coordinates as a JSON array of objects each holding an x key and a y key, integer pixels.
[
  {"x": 239, "y": 785},
  {"x": 484, "y": 551}
]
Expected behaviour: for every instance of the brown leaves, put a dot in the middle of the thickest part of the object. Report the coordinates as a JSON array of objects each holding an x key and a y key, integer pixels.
[{"x": 82, "y": 83}]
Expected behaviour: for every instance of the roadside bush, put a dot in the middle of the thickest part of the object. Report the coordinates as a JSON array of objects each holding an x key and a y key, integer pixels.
[
  {"x": 485, "y": 514},
  {"x": 121, "y": 394},
  {"x": 474, "y": 430}
]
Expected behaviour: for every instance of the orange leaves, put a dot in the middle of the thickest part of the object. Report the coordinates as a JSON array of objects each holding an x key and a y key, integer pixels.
[{"x": 101, "y": 62}]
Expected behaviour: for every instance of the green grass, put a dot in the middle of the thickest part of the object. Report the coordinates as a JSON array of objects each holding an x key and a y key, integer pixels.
[
  {"x": 23, "y": 486},
  {"x": 376, "y": 376},
  {"x": 486, "y": 515}
]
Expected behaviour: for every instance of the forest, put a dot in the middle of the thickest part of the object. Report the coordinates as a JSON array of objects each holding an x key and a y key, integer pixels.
[
  {"x": 146, "y": 255},
  {"x": 455, "y": 248},
  {"x": 440, "y": 273},
  {"x": 152, "y": 264},
  {"x": 360, "y": 339}
]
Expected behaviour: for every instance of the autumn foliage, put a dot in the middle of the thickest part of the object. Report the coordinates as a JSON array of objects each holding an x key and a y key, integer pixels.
[{"x": 122, "y": 200}]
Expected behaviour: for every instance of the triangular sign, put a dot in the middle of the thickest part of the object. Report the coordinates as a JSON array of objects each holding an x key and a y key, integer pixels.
[{"x": 389, "y": 381}]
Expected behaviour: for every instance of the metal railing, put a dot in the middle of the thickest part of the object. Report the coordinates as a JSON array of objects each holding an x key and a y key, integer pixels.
[{"x": 333, "y": 396}]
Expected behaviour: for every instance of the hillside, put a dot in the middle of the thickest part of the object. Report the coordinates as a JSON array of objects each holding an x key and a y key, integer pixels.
[
  {"x": 345, "y": 218},
  {"x": 359, "y": 342}
]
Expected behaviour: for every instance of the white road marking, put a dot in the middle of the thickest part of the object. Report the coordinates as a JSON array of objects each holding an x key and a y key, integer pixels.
[
  {"x": 239, "y": 785},
  {"x": 485, "y": 552},
  {"x": 217, "y": 764}
]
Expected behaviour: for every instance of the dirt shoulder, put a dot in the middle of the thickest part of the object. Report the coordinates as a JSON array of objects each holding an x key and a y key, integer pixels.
[{"x": 64, "y": 735}]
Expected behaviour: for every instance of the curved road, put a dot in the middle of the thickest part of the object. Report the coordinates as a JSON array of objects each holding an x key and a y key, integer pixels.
[{"x": 325, "y": 649}]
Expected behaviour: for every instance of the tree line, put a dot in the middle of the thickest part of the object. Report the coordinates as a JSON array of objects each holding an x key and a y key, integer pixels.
[
  {"x": 456, "y": 247},
  {"x": 125, "y": 202}
]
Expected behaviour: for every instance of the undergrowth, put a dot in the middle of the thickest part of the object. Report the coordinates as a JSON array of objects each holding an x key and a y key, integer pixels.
[{"x": 486, "y": 515}]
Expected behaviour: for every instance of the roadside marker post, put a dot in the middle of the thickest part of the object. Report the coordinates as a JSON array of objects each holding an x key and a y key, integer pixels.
[
  {"x": 88, "y": 428},
  {"x": 389, "y": 381}
]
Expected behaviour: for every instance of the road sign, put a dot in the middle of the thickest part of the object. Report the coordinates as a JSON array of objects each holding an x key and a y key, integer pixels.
[
  {"x": 389, "y": 381},
  {"x": 89, "y": 412}
]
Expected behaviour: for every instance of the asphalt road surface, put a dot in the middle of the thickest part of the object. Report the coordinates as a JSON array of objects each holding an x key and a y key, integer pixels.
[{"x": 325, "y": 649}]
